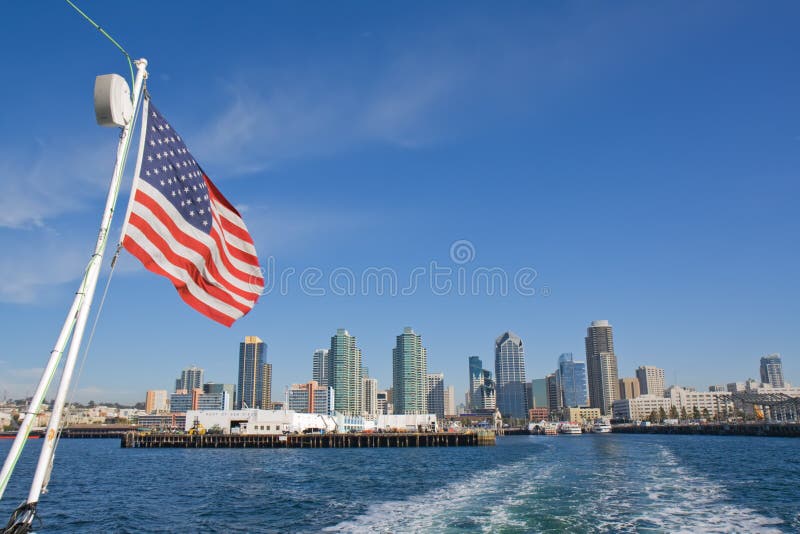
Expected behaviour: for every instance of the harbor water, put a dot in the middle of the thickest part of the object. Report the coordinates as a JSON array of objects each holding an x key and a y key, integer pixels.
[{"x": 588, "y": 483}]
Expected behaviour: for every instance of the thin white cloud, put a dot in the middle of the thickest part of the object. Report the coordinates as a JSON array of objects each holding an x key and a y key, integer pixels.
[{"x": 51, "y": 179}]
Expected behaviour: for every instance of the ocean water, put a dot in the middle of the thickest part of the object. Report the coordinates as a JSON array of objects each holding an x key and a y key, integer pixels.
[{"x": 588, "y": 483}]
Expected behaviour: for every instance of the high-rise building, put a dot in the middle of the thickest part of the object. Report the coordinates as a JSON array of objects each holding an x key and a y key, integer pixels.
[
  {"x": 191, "y": 378},
  {"x": 156, "y": 401},
  {"x": 772, "y": 370},
  {"x": 539, "y": 390},
  {"x": 572, "y": 382},
  {"x": 311, "y": 398},
  {"x": 553, "y": 392},
  {"x": 409, "y": 371},
  {"x": 601, "y": 365},
  {"x": 435, "y": 394},
  {"x": 215, "y": 388},
  {"x": 629, "y": 388},
  {"x": 488, "y": 392},
  {"x": 651, "y": 380},
  {"x": 383, "y": 403},
  {"x": 182, "y": 401},
  {"x": 450, "y": 402},
  {"x": 254, "y": 387},
  {"x": 509, "y": 364},
  {"x": 344, "y": 373},
  {"x": 320, "y": 368},
  {"x": 474, "y": 395},
  {"x": 369, "y": 388}
]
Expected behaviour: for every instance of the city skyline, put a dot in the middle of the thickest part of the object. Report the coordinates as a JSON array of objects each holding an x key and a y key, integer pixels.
[{"x": 684, "y": 173}]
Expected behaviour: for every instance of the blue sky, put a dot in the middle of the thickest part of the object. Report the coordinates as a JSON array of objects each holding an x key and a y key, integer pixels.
[{"x": 641, "y": 158}]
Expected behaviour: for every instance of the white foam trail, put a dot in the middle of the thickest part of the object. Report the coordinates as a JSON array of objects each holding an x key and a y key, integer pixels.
[{"x": 464, "y": 505}]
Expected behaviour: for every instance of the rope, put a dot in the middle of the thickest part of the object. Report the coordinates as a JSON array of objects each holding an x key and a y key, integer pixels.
[{"x": 105, "y": 33}]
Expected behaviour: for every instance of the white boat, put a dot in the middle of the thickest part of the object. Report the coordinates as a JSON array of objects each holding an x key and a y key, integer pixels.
[
  {"x": 601, "y": 427},
  {"x": 570, "y": 428}
]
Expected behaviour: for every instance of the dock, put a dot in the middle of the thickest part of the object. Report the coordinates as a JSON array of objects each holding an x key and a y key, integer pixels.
[
  {"x": 716, "y": 429},
  {"x": 145, "y": 440}
]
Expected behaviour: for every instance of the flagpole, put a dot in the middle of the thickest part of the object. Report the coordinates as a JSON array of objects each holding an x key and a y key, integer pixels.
[{"x": 76, "y": 319}]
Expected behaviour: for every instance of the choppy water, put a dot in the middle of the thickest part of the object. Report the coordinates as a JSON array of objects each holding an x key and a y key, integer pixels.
[{"x": 589, "y": 483}]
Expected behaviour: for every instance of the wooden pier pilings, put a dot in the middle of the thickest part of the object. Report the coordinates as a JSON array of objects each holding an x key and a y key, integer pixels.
[{"x": 147, "y": 440}]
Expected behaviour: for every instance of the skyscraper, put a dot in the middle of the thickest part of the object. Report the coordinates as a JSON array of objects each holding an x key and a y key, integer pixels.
[
  {"x": 509, "y": 364},
  {"x": 553, "y": 392},
  {"x": 601, "y": 366},
  {"x": 409, "y": 371},
  {"x": 191, "y": 378},
  {"x": 435, "y": 394},
  {"x": 772, "y": 370},
  {"x": 344, "y": 373},
  {"x": 254, "y": 388},
  {"x": 572, "y": 381},
  {"x": 215, "y": 388},
  {"x": 450, "y": 401},
  {"x": 651, "y": 380},
  {"x": 629, "y": 388},
  {"x": 369, "y": 388},
  {"x": 475, "y": 383},
  {"x": 320, "y": 368},
  {"x": 539, "y": 390}
]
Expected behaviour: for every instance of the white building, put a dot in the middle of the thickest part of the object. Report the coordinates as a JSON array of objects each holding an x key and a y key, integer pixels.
[
  {"x": 369, "y": 388},
  {"x": 640, "y": 408},
  {"x": 712, "y": 401},
  {"x": 254, "y": 421},
  {"x": 407, "y": 422}
]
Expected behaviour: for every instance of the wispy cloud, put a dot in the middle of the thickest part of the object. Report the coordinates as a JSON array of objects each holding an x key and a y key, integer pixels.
[
  {"x": 40, "y": 182},
  {"x": 38, "y": 262}
]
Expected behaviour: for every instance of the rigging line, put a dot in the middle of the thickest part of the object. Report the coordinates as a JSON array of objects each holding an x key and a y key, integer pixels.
[
  {"x": 76, "y": 382},
  {"x": 105, "y": 33}
]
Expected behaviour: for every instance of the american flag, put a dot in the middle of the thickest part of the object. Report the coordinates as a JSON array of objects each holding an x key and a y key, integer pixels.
[{"x": 181, "y": 227}]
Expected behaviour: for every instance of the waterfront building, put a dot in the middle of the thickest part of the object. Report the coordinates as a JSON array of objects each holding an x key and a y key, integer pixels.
[
  {"x": 344, "y": 373},
  {"x": 369, "y": 387},
  {"x": 435, "y": 394},
  {"x": 182, "y": 401},
  {"x": 213, "y": 387},
  {"x": 629, "y": 388},
  {"x": 539, "y": 414},
  {"x": 651, "y": 380},
  {"x": 407, "y": 422},
  {"x": 640, "y": 408},
  {"x": 191, "y": 378},
  {"x": 254, "y": 387},
  {"x": 572, "y": 381},
  {"x": 311, "y": 398},
  {"x": 539, "y": 391},
  {"x": 450, "y": 401},
  {"x": 553, "y": 392},
  {"x": 707, "y": 403},
  {"x": 580, "y": 415},
  {"x": 260, "y": 422},
  {"x": 736, "y": 387},
  {"x": 509, "y": 362},
  {"x": 320, "y": 367},
  {"x": 602, "y": 369},
  {"x": 772, "y": 370},
  {"x": 382, "y": 403},
  {"x": 156, "y": 401},
  {"x": 409, "y": 372},
  {"x": 163, "y": 421}
]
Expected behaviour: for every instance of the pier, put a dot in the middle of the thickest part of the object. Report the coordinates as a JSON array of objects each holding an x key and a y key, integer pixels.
[
  {"x": 716, "y": 429},
  {"x": 144, "y": 440}
]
